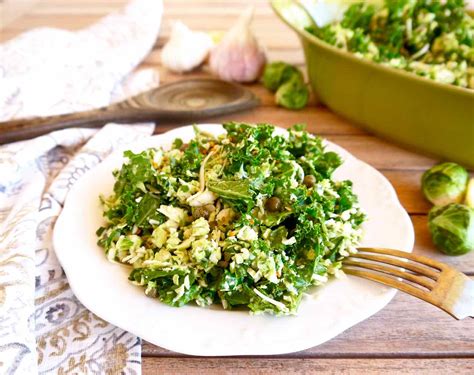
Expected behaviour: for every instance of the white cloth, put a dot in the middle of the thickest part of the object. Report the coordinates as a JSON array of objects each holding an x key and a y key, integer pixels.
[{"x": 43, "y": 327}]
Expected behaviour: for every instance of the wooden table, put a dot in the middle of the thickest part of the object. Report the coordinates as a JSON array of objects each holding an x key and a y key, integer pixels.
[{"x": 408, "y": 336}]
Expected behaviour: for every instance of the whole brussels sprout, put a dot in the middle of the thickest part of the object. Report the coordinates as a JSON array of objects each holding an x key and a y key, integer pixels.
[
  {"x": 452, "y": 228},
  {"x": 444, "y": 183},
  {"x": 277, "y": 73},
  {"x": 293, "y": 94}
]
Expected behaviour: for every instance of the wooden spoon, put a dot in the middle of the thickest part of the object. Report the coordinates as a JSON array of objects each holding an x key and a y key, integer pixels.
[{"x": 186, "y": 100}]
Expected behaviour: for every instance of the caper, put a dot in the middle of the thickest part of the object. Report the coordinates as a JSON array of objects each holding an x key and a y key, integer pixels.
[
  {"x": 273, "y": 204},
  {"x": 203, "y": 211},
  {"x": 152, "y": 293},
  {"x": 309, "y": 180}
]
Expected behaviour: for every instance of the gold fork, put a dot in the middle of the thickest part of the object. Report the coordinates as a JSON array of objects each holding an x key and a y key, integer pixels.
[{"x": 422, "y": 277}]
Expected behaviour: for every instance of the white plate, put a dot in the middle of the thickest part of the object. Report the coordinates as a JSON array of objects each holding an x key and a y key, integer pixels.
[{"x": 104, "y": 289}]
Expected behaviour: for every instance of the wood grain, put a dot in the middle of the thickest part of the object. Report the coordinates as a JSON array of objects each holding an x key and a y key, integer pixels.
[
  {"x": 407, "y": 184},
  {"x": 408, "y": 336},
  {"x": 322, "y": 121},
  {"x": 235, "y": 366}
]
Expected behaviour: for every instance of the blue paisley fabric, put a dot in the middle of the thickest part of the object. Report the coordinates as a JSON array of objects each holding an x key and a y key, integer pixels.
[{"x": 43, "y": 327}]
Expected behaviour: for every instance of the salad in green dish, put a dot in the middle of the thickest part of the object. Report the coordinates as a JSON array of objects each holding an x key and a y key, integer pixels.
[
  {"x": 248, "y": 218},
  {"x": 431, "y": 38}
]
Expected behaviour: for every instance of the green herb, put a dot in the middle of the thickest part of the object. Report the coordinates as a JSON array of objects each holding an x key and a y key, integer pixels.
[{"x": 231, "y": 189}]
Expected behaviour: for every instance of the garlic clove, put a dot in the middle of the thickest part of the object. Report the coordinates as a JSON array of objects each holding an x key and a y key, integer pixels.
[
  {"x": 186, "y": 49},
  {"x": 238, "y": 57}
]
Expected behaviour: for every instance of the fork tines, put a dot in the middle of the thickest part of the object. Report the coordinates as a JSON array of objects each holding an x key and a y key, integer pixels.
[{"x": 422, "y": 277}]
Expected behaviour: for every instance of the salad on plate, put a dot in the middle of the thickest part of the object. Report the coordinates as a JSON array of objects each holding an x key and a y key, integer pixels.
[{"x": 249, "y": 218}]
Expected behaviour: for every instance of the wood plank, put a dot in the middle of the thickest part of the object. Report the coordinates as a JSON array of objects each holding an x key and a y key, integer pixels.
[
  {"x": 289, "y": 55},
  {"x": 407, "y": 184},
  {"x": 69, "y": 9},
  {"x": 323, "y": 122},
  {"x": 207, "y": 10},
  {"x": 269, "y": 29},
  {"x": 86, "y": 3},
  {"x": 273, "y": 43},
  {"x": 270, "y": 366},
  {"x": 30, "y": 21},
  {"x": 10, "y": 10},
  {"x": 223, "y": 22},
  {"x": 382, "y": 154}
]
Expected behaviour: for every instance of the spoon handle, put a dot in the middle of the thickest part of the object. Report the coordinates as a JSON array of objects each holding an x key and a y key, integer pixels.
[
  {"x": 188, "y": 100},
  {"x": 16, "y": 130}
]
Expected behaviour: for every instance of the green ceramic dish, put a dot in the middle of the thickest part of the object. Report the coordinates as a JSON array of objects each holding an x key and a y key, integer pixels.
[{"x": 419, "y": 113}]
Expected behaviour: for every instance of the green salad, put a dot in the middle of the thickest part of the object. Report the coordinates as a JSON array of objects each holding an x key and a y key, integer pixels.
[
  {"x": 431, "y": 38},
  {"x": 245, "y": 219}
]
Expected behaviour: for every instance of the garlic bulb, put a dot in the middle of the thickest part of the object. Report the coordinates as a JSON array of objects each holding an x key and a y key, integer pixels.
[
  {"x": 238, "y": 57},
  {"x": 186, "y": 49}
]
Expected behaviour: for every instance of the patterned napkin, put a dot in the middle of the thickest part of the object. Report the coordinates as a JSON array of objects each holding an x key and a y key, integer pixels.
[{"x": 43, "y": 327}]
